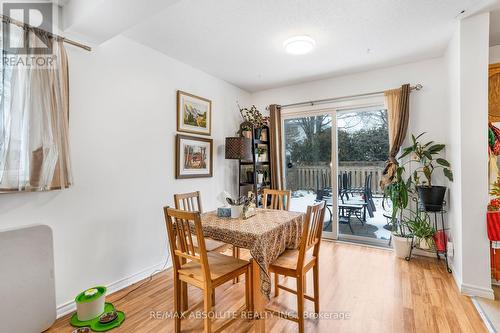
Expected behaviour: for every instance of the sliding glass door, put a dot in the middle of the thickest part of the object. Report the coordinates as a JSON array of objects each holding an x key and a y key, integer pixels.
[
  {"x": 362, "y": 149},
  {"x": 337, "y": 155},
  {"x": 308, "y": 164}
]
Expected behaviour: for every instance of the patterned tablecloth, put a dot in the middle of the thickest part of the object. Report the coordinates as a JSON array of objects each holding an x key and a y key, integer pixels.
[{"x": 267, "y": 234}]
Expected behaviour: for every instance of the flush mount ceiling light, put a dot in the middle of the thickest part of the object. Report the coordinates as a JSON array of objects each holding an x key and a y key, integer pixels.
[{"x": 299, "y": 45}]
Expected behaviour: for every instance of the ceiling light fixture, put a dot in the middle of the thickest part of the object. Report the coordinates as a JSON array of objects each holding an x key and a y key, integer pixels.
[{"x": 299, "y": 45}]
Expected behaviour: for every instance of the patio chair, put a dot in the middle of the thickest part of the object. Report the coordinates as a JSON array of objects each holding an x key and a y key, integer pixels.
[
  {"x": 323, "y": 195},
  {"x": 366, "y": 192}
]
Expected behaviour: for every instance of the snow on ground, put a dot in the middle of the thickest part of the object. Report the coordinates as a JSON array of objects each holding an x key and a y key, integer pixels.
[{"x": 374, "y": 227}]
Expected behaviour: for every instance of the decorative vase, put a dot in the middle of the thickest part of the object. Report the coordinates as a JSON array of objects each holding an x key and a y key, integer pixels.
[
  {"x": 247, "y": 134},
  {"x": 260, "y": 178},
  {"x": 432, "y": 197},
  {"x": 440, "y": 239},
  {"x": 493, "y": 225},
  {"x": 258, "y": 132},
  {"x": 401, "y": 246}
]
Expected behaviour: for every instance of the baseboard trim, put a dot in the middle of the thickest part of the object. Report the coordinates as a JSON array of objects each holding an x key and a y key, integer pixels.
[
  {"x": 70, "y": 306},
  {"x": 484, "y": 317},
  {"x": 471, "y": 290}
]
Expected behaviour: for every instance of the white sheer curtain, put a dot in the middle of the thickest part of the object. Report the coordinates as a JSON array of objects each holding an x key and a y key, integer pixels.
[{"x": 34, "y": 150}]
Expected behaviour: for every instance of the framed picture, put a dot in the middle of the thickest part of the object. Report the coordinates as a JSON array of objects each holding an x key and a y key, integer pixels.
[
  {"x": 194, "y": 114},
  {"x": 194, "y": 157}
]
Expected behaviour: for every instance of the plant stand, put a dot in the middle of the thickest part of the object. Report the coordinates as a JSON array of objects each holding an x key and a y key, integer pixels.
[{"x": 438, "y": 217}]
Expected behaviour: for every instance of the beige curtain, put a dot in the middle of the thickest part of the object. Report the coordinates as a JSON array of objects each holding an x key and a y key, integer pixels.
[
  {"x": 34, "y": 110},
  {"x": 398, "y": 108},
  {"x": 276, "y": 147}
]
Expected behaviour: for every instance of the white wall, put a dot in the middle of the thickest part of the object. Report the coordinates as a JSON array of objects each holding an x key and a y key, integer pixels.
[
  {"x": 454, "y": 154},
  {"x": 428, "y": 107},
  {"x": 468, "y": 57},
  {"x": 110, "y": 224},
  {"x": 495, "y": 54}
]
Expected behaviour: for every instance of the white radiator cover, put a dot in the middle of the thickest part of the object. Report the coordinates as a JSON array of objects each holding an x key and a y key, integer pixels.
[{"x": 27, "y": 285}]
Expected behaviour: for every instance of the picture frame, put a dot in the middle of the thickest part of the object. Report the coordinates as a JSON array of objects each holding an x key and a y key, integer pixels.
[
  {"x": 194, "y": 114},
  {"x": 193, "y": 157}
]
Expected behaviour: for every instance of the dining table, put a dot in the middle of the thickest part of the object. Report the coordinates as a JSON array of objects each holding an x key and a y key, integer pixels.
[{"x": 267, "y": 234}]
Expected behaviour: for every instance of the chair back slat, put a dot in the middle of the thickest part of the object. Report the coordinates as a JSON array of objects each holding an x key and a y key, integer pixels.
[
  {"x": 311, "y": 231},
  {"x": 182, "y": 228},
  {"x": 190, "y": 202},
  {"x": 280, "y": 200}
]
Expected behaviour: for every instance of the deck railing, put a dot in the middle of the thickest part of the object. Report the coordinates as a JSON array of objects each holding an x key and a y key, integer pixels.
[{"x": 313, "y": 177}]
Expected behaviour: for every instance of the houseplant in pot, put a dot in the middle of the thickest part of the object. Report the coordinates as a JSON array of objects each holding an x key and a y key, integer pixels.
[
  {"x": 420, "y": 226},
  {"x": 427, "y": 155},
  {"x": 254, "y": 117},
  {"x": 398, "y": 193},
  {"x": 246, "y": 130}
]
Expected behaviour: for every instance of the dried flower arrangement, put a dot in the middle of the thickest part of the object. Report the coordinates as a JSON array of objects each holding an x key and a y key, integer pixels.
[{"x": 254, "y": 116}]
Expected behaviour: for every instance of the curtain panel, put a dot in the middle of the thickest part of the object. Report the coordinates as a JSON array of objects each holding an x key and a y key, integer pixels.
[
  {"x": 34, "y": 111},
  {"x": 276, "y": 147},
  {"x": 397, "y": 102}
]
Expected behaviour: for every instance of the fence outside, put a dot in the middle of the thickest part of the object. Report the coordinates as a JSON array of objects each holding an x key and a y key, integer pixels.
[{"x": 313, "y": 177}]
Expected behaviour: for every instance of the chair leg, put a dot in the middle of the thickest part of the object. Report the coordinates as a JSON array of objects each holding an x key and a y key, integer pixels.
[
  {"x": 213, "y": 297},
  {"x": 316, "y": 287},
  {"x": 276, "y": 281},
  {"x": 207, "y": 307},
  {"x": 248, "y": 289},
  {"x": 300, "y": 302},
  {"x": 236, "y": 254},
  {"x": 184, "y": 296},
  {"x": 177, "y": 304}
]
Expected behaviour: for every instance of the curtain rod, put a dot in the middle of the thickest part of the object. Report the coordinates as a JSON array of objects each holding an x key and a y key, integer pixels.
[
  {"x": 10, "y": 20},
  {"x": 327, "y": 100}
]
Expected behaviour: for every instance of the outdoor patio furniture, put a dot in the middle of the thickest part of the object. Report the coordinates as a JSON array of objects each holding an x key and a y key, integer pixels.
[
  {"x": 366, "y": 191},
  {"x": 358, "y": 210},
  {"x": 325, "y": 195}
]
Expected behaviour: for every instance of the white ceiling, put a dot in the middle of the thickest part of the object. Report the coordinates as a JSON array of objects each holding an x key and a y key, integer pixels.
[{"x": 240, "y": 41}]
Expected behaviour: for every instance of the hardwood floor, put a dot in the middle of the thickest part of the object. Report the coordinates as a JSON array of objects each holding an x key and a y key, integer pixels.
[{"x": 377, "y": 293}]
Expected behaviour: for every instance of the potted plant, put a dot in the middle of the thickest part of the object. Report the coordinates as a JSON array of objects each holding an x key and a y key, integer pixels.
[
  {"x": 260, "y": 154},
  {"x": 426, "y": 154},
  {"x": 420, "y": 226},
  {"x": 246, "y": 130},
  {"x": 398, "y": 193},
  {"x": 253, "y": 116},
  {"x": 493, "y": 214}
]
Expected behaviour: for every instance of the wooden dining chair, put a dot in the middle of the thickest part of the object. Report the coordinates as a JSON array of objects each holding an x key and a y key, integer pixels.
[
  {"x": 279, "y": 199},
  {"x": 296, "y": 263},
  {"x": 202, "y": 269},
  {"x": 191, "y": 202}
]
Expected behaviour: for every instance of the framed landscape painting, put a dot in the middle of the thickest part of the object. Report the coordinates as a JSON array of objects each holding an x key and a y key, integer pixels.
[
  {"x": 194, "y": 114},
  {"x": 194, "y": 157}
]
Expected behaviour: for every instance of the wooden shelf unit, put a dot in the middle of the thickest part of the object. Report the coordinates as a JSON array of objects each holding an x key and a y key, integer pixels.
[{"x": 248, "y": 170}]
